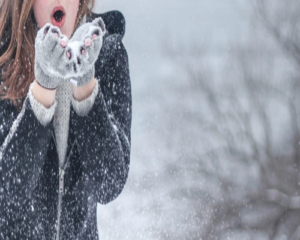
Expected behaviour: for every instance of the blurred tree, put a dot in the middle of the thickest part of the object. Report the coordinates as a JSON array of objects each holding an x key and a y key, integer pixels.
[{"x": 248, "y": 181}]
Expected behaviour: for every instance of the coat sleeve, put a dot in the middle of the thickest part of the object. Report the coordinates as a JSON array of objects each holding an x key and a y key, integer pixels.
[
  {"x": 103, "y": 135},
  {"x": 24, "y": 143}
]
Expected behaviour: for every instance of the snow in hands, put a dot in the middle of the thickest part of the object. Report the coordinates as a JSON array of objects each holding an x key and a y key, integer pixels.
[{"x": 58, "y": 57}]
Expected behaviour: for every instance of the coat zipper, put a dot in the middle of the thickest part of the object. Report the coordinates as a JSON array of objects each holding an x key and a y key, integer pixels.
[
  {"x": 60, "y": 192},
  {"x": 61, "y": 188}
]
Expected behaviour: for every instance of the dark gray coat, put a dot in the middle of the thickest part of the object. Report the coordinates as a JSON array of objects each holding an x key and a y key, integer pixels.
[{"x": 98, "y": 155}]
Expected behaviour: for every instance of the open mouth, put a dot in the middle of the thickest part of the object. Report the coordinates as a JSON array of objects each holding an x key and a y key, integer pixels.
[{"x": 58, "y": 16}]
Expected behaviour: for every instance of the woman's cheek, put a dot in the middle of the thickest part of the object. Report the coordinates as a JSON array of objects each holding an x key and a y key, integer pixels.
[
  {"x": 71, "y": 16},
  {"x": 40, "y": 12}
]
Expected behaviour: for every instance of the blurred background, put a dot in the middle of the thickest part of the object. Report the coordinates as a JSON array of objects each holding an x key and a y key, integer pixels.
[{"x": 215, "y": 131}]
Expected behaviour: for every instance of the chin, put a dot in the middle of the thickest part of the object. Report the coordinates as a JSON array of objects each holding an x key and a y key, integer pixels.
[{"x": 66, "y": 32}]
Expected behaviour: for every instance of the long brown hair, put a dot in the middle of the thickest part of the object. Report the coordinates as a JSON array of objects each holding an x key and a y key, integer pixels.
[{"x": 17, "y": 34}]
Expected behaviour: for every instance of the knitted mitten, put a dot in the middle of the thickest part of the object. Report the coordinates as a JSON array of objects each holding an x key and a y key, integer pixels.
[
  {"x": 83, "y": 50},
  {"x": 51, "y": 61}
]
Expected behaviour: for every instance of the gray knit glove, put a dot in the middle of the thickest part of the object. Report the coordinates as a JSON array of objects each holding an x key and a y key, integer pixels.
[
  {"x": 83, "y": 50},
  {"x": 51, "y": 61}
]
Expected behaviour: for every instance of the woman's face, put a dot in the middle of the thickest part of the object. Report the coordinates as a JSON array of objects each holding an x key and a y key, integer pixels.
[{"x": 60, "y": 13}]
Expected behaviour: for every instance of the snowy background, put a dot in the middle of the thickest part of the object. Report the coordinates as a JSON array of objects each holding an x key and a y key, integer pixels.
[{"x": 179, "y": 187}]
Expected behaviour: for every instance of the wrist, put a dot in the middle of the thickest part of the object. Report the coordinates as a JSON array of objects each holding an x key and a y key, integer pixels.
[
  {"x": 82, "y": 92},
  {"x": 43, "y": 95}
]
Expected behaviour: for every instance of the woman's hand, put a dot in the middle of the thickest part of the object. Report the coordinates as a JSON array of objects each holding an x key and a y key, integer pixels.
[
  {"x": 83, "y": 50},
  {"x": 51, "y": 62},
  {"x": 57, "y": 59}
]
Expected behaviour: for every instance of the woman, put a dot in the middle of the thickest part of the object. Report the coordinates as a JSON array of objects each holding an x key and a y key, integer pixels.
[{"x": 65, "y": 117}]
